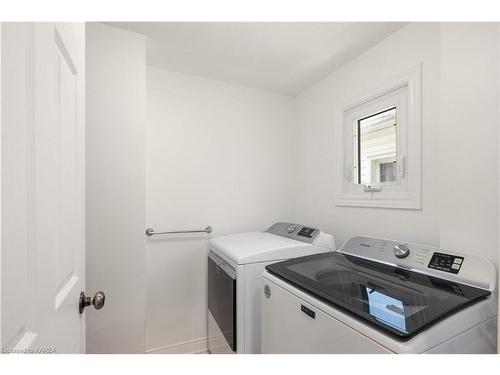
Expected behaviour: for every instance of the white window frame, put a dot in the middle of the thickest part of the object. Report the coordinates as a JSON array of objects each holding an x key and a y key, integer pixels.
[{"x": 405, "y": 93}]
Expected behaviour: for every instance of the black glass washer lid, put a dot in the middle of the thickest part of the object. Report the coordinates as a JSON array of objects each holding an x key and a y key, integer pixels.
[{"x": 398, "y": 301}]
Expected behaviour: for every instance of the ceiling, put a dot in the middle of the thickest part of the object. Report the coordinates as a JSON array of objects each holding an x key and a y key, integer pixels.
[{"x": 280, "y": 57}]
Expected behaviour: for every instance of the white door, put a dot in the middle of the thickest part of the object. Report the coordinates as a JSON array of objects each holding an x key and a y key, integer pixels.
[{"x": 43, "y": 187}]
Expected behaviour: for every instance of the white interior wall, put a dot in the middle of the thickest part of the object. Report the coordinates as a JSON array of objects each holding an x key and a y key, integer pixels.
[
  {"x": 239, "y": 159},
  {"x": 413, "y": 44},
  {"x": 460, "y": 133},
  {"x": 468, "y": 143},
  {"x": 216, "y": 154},
  {"x": 115, "y": 71}
]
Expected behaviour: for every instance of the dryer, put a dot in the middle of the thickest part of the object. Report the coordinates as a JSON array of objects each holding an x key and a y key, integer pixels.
[
  {"x": 380, "y": 296},
  {"x": 235, "y": 266}
]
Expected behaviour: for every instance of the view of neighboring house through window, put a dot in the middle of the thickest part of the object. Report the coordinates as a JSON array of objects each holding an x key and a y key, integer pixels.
[{"x": 375, "y": 154}]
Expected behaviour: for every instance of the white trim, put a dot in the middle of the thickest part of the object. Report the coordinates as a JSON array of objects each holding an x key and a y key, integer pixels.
[
  {"x": 498, "y": 276},
  {"x": 408, "y": 193},
  {"x": 30, "y": 172},
  {"x": 1, "y": 184},
  {"x": 68, "y": 286},
  {"x": 24, "y": 342},
  {"x": 196, "y": 346}
]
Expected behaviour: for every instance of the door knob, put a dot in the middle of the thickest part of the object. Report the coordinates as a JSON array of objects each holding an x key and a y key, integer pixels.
[{"x": 97, "y": 301}]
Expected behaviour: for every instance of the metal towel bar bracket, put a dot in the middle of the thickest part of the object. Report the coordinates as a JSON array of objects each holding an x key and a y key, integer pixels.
[{"x": 151, "y": 232}]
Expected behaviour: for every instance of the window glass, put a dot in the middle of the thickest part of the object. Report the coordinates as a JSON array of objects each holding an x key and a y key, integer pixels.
[{"x": 375, "y": 138}]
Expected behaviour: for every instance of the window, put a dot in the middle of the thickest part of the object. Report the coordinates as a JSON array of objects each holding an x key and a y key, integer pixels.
[
  {"x": 375, "y": 148},
  {"x": 379, "y": 146}
]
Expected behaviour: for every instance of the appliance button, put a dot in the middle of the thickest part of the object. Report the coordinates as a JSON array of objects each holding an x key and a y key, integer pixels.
[
  {"x": 401, "y": 251},
  {"x": 456, "y": 266},
  {"x": 458, "y": 261},
  {"x": 291, "y": 228}
]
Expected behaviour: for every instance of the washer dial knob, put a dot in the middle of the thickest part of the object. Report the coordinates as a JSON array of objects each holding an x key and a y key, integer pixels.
[
  {"x": 291, "y": 228},
  {"x": 401, "y": 251}
]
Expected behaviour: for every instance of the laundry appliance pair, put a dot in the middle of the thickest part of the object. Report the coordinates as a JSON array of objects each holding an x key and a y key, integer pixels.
[{"x": 288, "y": 290}]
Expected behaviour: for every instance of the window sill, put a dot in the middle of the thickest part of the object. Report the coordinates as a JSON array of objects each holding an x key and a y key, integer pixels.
[{"x": 380, "y": 200}]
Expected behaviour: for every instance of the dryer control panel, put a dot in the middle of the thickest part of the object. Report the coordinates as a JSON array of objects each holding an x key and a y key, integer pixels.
[
  {"x": 465, "y": 268},
  {"x": 294, "y": 231}
]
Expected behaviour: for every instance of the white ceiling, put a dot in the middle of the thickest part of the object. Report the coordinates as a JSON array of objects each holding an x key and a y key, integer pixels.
[{"x": 280, "y": 57}]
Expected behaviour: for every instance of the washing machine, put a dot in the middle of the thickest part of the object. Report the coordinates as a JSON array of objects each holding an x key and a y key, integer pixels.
[
  {"x": 380, "y": 296},
  {"x": 235, "y": 266}
]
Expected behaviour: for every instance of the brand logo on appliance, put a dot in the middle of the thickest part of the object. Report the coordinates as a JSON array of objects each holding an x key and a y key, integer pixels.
[{"x": 308, "y": 311}]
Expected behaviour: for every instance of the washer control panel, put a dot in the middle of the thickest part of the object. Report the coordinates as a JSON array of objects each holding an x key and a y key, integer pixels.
[
  {"x": 466, "y": 268},
  {"x": 446, "y": 262},
  {"x": 388, "y": 251},
  {"x": 294, "y": 231}
]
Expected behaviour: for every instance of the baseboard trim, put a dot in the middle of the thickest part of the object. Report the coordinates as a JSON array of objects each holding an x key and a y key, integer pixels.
[{"x": 196, "y": 346}]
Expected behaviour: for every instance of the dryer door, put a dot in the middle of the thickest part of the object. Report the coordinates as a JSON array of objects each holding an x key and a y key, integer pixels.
[{"x": 222, "y": 299}]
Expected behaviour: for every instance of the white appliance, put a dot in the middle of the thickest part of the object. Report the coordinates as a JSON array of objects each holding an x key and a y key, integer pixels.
[
  {"x": 235, "y": 266},
  {"x": 380, "y": 296}
]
